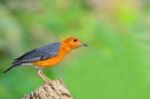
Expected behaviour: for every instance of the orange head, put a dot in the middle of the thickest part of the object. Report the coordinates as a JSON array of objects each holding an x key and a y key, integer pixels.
[{"x": 73, "y": 42}]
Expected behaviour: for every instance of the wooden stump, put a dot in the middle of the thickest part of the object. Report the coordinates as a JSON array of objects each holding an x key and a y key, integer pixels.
[{"x": 54, "y": 89}]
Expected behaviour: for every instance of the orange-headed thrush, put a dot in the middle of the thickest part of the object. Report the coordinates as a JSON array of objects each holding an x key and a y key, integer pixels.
[{"x": 48, "y": 55}]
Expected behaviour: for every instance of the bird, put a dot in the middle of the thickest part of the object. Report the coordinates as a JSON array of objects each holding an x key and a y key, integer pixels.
[{"x": 47, "y": 55}]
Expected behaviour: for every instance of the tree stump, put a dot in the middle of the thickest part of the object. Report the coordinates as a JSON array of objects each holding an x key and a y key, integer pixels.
[{"x": 54, "y": 89}]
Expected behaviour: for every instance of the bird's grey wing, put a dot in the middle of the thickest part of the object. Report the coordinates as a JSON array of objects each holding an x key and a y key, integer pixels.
[
  {"x": 49, "y": 50},
  {"x": 45, "y": 52}
]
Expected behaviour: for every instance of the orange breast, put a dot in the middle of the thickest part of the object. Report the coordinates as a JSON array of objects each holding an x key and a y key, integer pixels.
[{"x": 51, "y": 61}]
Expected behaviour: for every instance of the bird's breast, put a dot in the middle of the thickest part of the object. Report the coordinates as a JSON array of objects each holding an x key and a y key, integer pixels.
[{"x": 47, "y": 63}]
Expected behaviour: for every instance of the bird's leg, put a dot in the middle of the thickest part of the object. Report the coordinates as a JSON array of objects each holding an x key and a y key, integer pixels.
[
  {"x": 40, "y": 73},
  {"x": 45, "y": 77}
]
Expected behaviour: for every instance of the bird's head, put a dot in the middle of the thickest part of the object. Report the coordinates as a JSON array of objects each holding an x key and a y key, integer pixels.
[{"x": 73, "y": 42}]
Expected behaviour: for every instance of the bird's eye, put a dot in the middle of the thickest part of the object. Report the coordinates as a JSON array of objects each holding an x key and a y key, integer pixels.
[{"x": 75, "y": 40}]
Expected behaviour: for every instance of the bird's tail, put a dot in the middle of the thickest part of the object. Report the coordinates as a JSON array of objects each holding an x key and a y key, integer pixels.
[{"x": 15, "y": 65}]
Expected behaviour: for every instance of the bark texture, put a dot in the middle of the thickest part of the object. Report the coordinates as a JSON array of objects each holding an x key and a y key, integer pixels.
[{"x": 54, "y": 89}]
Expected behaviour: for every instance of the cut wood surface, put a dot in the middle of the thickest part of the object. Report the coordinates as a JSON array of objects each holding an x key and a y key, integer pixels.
[{"x": 54, "y": 89}]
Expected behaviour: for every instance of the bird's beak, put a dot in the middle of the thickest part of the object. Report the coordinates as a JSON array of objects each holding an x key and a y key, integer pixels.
[{"x": 83, "y": 44}]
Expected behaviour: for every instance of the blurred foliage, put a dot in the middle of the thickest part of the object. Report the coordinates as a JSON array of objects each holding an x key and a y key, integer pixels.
[{"x": 116, "y": 65}]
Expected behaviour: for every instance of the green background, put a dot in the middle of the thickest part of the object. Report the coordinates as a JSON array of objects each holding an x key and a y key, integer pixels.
[{"x": 116, "y": 65}]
